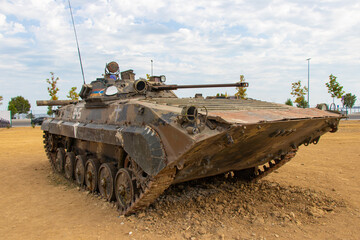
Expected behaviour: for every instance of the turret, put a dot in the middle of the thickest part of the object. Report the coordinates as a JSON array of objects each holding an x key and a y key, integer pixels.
[{"x": 111, "y": 87}]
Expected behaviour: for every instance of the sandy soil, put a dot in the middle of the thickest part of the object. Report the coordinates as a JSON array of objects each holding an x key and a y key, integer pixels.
[{"x": 314, "y": 196}]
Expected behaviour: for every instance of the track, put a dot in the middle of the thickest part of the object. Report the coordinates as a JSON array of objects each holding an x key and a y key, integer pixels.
[
  {"x": 272, "y": 165},
  {"x": 159, "y": 183},
  {"x": 154, "y": 188},
  {"x": 49, "y": 149}
]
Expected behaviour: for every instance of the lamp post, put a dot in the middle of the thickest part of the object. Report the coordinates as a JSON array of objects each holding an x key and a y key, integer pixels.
[
  {"x": 152, "y": 67},
  {"x": 308, "y": 82}
]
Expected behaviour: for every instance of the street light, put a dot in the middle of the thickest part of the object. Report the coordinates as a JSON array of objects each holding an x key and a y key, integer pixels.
[
  {"x": 308, "y": 81},
  {"x": 152, "y": 67}
]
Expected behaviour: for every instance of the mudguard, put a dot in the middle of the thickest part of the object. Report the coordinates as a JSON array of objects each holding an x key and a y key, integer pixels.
[{"x": 144, "y": 146}]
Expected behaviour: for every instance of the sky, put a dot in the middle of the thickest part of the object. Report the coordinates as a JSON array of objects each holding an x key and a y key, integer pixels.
[{"x": 190, "y": 42}]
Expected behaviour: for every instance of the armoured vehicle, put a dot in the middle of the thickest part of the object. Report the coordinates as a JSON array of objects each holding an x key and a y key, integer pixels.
[{"x": 131, "y": 139}]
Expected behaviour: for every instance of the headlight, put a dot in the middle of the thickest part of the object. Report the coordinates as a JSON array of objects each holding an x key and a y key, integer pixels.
[{"x": 162, "y": 78}]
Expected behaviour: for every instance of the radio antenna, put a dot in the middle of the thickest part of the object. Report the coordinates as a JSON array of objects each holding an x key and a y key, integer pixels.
[{"x": 77, "y": 43}]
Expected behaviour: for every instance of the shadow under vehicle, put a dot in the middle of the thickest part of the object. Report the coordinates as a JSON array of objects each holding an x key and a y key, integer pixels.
[{"x": 131, "y": 139}]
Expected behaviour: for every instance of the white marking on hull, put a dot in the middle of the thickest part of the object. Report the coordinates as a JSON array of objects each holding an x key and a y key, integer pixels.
[
  {"x": 76, "y": 113},
  {"x": 117, "y": 110},
  {"x": 75, "y": 126}
]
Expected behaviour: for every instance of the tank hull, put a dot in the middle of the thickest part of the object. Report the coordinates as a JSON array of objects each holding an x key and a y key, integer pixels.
[
  {"x": 247, "y": 146},
  {"x": 156, "y": 147}
]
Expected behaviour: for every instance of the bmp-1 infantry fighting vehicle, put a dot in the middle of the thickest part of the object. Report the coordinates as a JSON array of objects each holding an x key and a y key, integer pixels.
[{"x": 131, "y": 139}]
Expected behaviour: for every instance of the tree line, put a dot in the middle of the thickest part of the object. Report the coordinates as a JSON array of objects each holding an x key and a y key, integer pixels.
[
  {"x": 334, "y": 89},
  {"x": 299, "y": 92},
  {"x": 21, "y": 105}
]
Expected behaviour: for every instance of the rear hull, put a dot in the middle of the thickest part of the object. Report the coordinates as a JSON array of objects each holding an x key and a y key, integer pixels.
[{"x": 246, "y": 146}]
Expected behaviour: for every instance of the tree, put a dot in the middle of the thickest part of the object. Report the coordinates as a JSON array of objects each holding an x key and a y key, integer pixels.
[
  {"x": 303, "y": 103},
  {"x": 53, "y": 90},
  {"x": 334, "y": 88},
  {"x": 299, "y": 93},
  {"x": 1, "y": 98},
  {"x": 73, "y": 95},
  {"x": 18, "y": 105},
  {"x": 241, "y": 91},
  {"x": 12, "y": 109},
  {"x": 289, "y": 102},
  {"x": 349, "y": 100}
]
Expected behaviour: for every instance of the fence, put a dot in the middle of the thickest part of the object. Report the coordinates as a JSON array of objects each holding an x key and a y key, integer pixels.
[{"x": 355, "y": 109}]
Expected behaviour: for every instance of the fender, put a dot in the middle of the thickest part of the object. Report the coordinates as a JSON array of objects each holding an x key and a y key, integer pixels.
[
  {"x": 142, "y": 143},
  {"x": 144, "y": 146}
]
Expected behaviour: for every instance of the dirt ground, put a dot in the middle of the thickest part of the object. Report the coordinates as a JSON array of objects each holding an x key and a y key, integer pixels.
[{"x": 314, "y": 196}]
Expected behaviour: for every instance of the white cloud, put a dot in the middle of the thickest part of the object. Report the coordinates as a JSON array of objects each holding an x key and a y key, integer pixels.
[
  {"x": 190, "y": 41},
  {"x": 10, "y": 28}
]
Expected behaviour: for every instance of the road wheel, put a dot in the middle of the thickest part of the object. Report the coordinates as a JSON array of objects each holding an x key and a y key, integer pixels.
[
  {"x": 69, "y": 165},
  {"x": 80, "y": 169},
  {"x": 91, "y": 174},
  {"x": 124, "y": 189},
  {"x": 59, "y": 161},
  {"x": 106, "y": 178}
]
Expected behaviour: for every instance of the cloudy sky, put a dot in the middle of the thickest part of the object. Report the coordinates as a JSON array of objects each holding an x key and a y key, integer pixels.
[{"x": 190, "y": 42}]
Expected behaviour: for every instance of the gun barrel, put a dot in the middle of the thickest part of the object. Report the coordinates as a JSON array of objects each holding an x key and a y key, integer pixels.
[
  {"x": 54, "y": 102},
  {"x": 174, "y": 87}
]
